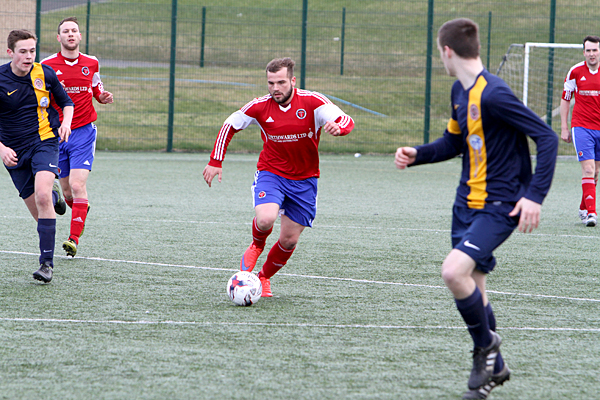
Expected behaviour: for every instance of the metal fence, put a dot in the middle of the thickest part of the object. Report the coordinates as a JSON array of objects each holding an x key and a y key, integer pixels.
[{"x": 179, "y": 68}]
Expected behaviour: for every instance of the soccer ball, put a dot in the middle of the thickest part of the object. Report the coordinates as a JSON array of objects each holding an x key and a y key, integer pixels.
[{"x": 244, "y": 288}]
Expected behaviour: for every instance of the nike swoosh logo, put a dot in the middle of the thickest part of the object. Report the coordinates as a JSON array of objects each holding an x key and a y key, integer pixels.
[
  {"x": 9, "y": 93},
  {"x": 52, "y": 166},
  {"x": 471, "y": 245}
]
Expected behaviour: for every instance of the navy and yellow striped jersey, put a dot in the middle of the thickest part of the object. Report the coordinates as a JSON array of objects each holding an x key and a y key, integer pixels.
[
  {"x": 26, "y": 116},
  {"x": 489, "y": 127}
]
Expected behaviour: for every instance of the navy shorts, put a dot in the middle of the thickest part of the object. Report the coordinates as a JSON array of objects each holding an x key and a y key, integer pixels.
[
  {"x": 479, "y": 232},
  {"x": 297, "y": 199},
  {"x": 41, "y": 156},
  {"x": 586, "y": 143},
  {"x": 79, "y": 151}
]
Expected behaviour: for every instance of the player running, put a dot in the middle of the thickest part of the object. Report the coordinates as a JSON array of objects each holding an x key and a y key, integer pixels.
[
  {"x": 29, "y": 135},
  {"x": 583, "y": 84},
  {"x": 80, "y": 76},
  {"x": 291, "y": 121},
  {"x": 497, "y": 191}
]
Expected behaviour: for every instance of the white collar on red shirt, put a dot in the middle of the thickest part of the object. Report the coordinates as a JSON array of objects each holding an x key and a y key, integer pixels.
[{"x": 71, "y": 63}]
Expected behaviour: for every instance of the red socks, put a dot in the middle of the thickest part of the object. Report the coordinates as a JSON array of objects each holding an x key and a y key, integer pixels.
[
  {"x": 69, "y": 202},
  {"x": 589, "y": 194},
  {"x": 277, "y": 258},
  {"x": 78, "y": 216},
  {"x": 259, "y": 237}
]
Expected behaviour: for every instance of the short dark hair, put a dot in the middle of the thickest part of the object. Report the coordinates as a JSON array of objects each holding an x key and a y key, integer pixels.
[
  {"x": 19, "y": 34},
  {"x": 590, "y": 38},
  {"x": 68, "y": 19},
  {"x": 279, "y": 63},
  {"x": 462, "y": 36}
]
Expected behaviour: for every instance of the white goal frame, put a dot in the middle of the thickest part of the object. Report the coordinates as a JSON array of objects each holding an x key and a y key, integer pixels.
[{"x": 528, "y": 47}]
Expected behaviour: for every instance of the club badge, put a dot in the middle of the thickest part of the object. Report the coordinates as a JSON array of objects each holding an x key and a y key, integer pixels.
[
  {"x": 38, "y": 83},
  {"x": 474, "y": 112},
  {"x": 301, "y": 113}
]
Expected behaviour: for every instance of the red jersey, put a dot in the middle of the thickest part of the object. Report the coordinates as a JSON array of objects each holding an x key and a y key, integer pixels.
[
  {"x": 81, "y": 79},
  {"x": 290, "y": 134},
  {"x": 586, "y": 87}
]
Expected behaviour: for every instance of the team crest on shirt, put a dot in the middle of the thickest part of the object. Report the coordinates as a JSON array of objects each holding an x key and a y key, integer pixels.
[
  {"x": 475, "y": 142},
  {"x": 85, "y": 71},
  {"x": 474, "y": 112},
  {"x": 301, "y": 113},
  {"x": 38, "y": 83},
  {"x": 262, "y": 195},
  {"x": 44, "y": 102}
]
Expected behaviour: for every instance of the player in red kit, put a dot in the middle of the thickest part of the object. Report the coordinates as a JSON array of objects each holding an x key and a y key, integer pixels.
[
  {"x": 583, "y": 84},
  {"x": 285, "y": 184},
  {"x": 80, "y": 76}
]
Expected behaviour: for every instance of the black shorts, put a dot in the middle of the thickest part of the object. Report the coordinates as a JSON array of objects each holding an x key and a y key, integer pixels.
[
  {"x": 40, "y": 156},
  {"x": 479, "y": 232}
]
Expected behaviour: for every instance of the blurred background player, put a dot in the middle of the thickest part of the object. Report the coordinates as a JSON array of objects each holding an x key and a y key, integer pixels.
[
  {"x": 583, "y": 84},
  {"x": 80, "y": 76},
  {"x": 291, "y": 121},
  {"x": 497, "y": 191},
  {"x": 29, "y": 132}
]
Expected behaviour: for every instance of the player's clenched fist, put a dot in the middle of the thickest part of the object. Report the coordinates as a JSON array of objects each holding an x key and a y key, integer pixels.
[{"x": 405, "y": 156}]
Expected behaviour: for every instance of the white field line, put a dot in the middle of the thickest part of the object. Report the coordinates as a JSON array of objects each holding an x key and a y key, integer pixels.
[
  {"x": 316, "y": 225},
  {"x": 369, "y": 228},
  {"x": 281, "y": 325},
  {"x": 329, "y": 278}
]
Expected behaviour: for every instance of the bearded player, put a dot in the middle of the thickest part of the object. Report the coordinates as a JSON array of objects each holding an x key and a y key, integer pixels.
[
  {"x": 291, "y": 121},
  {"x": 80, "y": 76}
]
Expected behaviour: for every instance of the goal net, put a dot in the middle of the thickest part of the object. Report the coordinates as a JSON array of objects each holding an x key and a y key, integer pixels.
[{"x": 536, "y": 73}]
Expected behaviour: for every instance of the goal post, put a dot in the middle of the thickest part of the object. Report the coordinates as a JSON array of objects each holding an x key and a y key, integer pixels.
[{"x": 536, "y": 72}]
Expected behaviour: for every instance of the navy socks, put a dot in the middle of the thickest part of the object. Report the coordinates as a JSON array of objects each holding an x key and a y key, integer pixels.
[
  {"x": 47, "y": 232},
  {"x": 492, "y": 321},
  {"x": 476, "y": 318}
]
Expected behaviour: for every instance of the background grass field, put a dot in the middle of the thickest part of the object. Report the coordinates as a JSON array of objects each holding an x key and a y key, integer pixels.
[
  {"x": 359, "y": 312},
  {"x": 385, "y": 48}
]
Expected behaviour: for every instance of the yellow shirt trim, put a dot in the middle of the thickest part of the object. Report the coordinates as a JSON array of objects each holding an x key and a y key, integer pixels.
[
  {"x": 477, "y": 150},
  {"x": 38, "y": 80}
]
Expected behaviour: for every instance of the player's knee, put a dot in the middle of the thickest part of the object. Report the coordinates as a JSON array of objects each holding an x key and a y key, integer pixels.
[
  {"x": 77, "y": 188},
  {"x": 265, "y": 222},
  {"x": 450, "y": 275},
  {"x": 43, "y": 200},
  {"x": 288, "y": 243},
  {"x": 589, "y": 171}
]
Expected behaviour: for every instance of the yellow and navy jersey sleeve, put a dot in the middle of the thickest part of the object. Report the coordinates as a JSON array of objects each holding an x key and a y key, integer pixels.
[
  {"x": 447, "y": 147},
  {"x": 521, "y": 122},
  {"x": 26, "y": 116},
  {"x": 489, "y": 127}
]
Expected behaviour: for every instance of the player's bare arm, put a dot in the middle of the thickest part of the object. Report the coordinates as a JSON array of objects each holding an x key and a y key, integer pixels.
[
  {"x": 530, "y": 214},
  {"x": 105, "y": 98},
  {"x": 405, "y": 156},
  {"x": 565, "y": 133},
  {"x": 332, "y": 128},
  {"x": 210, "y": 172},
  {"x": 8, "y": 156},
  {"x": 64, "y": 131}
]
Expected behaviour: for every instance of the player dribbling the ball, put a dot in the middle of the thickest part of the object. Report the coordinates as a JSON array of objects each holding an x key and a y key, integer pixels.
[{"x": 291, "y": 122}]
